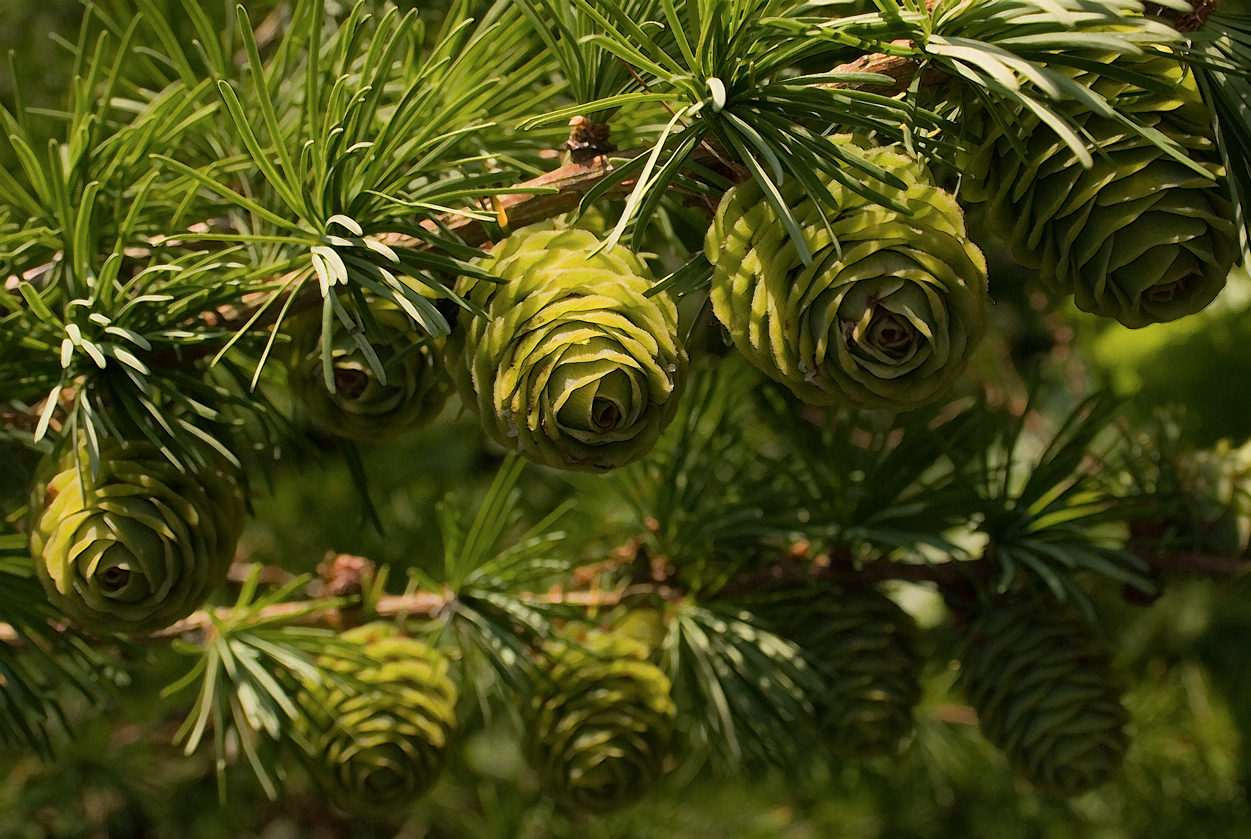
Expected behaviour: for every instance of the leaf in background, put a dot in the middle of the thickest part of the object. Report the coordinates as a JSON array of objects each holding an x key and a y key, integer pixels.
[
  {"x": 741, "y": 691},
  {"x": 1049, "y": 506},
  {"x": 40, "y": 668},
  {"x": 710, "y": 491}
]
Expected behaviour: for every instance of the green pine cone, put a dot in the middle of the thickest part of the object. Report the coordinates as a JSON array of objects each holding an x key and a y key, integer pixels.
[
  {"x": 573, "y": 366},
  {"x": 886, "y": 317},
  {"x": 379, "y": 739},
  {"x": 1139, "y": 236},
  {"x": 1045, "y": 693},
  {"x": 364, "y": 407},
  {"x": 601, "y": 726},
  {"x": 138, "y": 547},
  {"x": 864, "y": 646}
]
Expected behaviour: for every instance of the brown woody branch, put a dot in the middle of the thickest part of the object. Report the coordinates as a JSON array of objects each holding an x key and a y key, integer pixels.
[
  {"x": 797, "y": 568},
  {"x": 1196, "y": 563},
  {"x": 790, "y": 570}
]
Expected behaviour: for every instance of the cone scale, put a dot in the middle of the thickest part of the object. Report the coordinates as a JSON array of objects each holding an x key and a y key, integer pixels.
[
  {"x": 1045, "y": 693},
  {"x": 1139, "y": 236},
  {"x": 573, "y": 365},
  {"x": 888, "y": 312},
  {"x": 138, "y": 546},
  {"x": 377, "y": 740},
  {"x": 600, "y": 728}
]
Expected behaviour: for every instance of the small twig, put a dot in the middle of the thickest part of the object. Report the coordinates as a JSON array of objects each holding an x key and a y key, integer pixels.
[
  {"x": 588, "y": 139},
  {"x": 954, "y": 714},
  {"x": 1188, "y": 21},
  {"x": 795, "y": 572},
  {"x": 953, "y": 575},
  {"x": 571, "y": 182},
  {"x": 901, "y": 68}
]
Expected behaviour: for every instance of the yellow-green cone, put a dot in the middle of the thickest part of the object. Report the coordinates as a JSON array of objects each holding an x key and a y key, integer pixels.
[
  {"x": 378, "y": 739},
  {"x": 363, "y": 407},
  {"x": 1139, "y": 236},
  {"x": 864, "y": 646},
  {"x": 573, "y": 367},
  {"x": 1045, "y": 693},
  {"x": 886, "y": 317},
  {"x": 138, "y": 547},
  {"x": 601, "y": 725}
]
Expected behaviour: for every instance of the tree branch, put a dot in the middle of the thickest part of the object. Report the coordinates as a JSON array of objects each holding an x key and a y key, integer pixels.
[
  {"x": 1195, "y": 563},
  {"x": 574, "y": 180},
  {"x": 571, "y": 182},
  {"x": 792, "y": 570}
]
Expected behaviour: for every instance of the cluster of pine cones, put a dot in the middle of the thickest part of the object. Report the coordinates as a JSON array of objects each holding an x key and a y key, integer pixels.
[
  {"x": 576, "y": 366},
  {"x": 577, "y": 363},
  {"x": 600, "y": 729}
]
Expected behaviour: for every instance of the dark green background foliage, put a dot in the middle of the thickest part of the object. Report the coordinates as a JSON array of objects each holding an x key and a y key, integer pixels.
[{"x": 117, "y": 768}]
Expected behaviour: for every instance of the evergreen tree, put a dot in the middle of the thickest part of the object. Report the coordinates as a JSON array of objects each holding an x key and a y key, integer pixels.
[{"x": 542, "y": 418}]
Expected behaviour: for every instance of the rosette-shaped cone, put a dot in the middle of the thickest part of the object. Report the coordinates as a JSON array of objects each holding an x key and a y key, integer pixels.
[
  {"x": 601, "y": 725},
  {"x": 1046, "y": 694},
  {"x": 864, "y": 646},
  {"x": 573, "y": 366},
  {"x": 364, "y": 406},
  {"x": 138, "y": 546},
  {"x": 378, "y": 739},
  {"x": 1139, "y": 236},
  {"x": 888, "y": 313}
]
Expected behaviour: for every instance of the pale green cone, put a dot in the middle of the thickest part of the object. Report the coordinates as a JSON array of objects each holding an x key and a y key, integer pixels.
[
  {"x": 573, "y": 367},
  {"x": 600, "y": 727},
  {"x": 886, "y": 318},
  {"x": 1045, "y": 693},
  {"x": 377, "y": 740},
  {"x": 1139, "y": 236},
  {"x": 362, "y": 407},
  {"x": 138, "y": 547}
]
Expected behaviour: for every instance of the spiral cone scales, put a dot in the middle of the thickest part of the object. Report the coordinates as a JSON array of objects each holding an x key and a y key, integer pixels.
[
  {"x": 1138, "y": 236},
  {"x": 864, "y": 646},
  {"x": 378, "y": 739},
  {"x": 888, "y": 313},
  {"x": 363, "y": 406},
  {"x": 573, "y": 366},
  {"x": 1045, "y": 693},
  {"x": 601, "y": 726},
  {"x": 140, "y": 544}
]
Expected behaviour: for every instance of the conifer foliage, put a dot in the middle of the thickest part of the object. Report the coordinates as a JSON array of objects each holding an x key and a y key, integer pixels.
[{"x": 707, "y": 372}]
